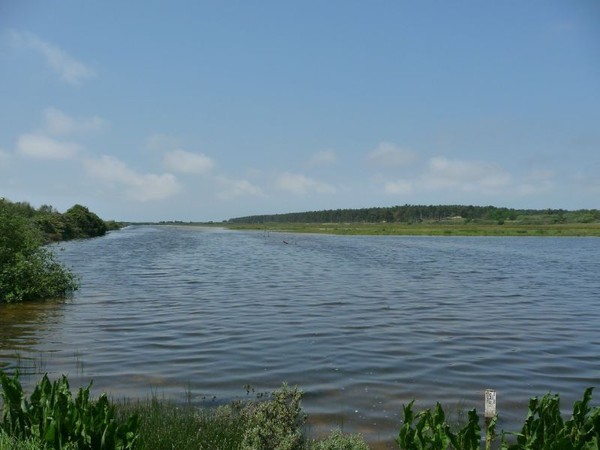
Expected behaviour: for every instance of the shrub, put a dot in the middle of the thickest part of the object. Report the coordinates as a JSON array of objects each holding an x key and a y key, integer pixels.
[
  {"x": 340, "y": 441},
  {"x": 275, "y": 424}
]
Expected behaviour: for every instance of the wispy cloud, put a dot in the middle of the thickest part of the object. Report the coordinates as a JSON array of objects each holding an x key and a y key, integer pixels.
[
  {"x": 187, "y": 162},
  {"x": 388, "y": 154},
  {"x": 300, "y": 184},
  {"x": 162, "y": 142},
  {"x": 536, "y": 182},
  {"x": 44, "y": 147},
  {"x": 237, "y": 188},
  {"x": 4, "y": 158},
  {"x": 139, "y": 187},
  {"x": 466, "y": 176},
  {"x": 323, "y": 158},
  {"x": 399, "y": 187},
  {"x": 60, "y": 124},
  {"x": 49, "y": 142},
  {"x": 588, "y": 182},
  {"x": 66, "y": 67}
]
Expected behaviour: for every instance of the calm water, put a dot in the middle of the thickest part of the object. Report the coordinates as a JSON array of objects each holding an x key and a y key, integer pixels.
[{"x": 362, "y": 324}]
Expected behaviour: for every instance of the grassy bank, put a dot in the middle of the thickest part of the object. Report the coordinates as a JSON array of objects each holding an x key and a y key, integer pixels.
[
  {"x": 448, "y": 228},
  {"x": 51, "y": 418}
]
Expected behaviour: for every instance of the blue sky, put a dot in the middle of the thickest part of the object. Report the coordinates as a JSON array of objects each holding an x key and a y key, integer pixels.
[{"x": 146, "y": 110}]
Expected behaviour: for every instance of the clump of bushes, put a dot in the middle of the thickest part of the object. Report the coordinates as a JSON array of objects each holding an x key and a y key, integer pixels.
[{"x": 27, "y": 270}]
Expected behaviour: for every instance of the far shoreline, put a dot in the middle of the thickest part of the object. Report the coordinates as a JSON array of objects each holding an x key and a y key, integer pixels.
[{"x": 424, "y": 229}]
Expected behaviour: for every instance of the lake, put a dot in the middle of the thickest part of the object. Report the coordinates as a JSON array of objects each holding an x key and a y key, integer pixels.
[{"x": 362, "y": 324}]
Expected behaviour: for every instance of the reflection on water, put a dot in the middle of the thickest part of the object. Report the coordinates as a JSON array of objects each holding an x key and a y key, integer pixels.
[
  {"x": 362, "y": 324},
  {"x": 21, "y": 328}
]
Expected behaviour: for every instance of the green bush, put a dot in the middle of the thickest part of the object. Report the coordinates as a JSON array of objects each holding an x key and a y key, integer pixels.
[
  {"x": 275, "y": 424},
  {"x": 51, "y": 416}
]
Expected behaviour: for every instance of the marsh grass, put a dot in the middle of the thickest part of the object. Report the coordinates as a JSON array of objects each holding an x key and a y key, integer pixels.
[{"x": 166, "y": 425}]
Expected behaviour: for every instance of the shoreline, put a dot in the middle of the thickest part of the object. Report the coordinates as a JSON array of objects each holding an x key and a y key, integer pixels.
[{"x": 427, "y": 229}]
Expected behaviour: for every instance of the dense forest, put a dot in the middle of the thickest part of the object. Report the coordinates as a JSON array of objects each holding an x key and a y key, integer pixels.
[
  {"x": 28, "y": 270},
  {"x": 421, "y": 213}
]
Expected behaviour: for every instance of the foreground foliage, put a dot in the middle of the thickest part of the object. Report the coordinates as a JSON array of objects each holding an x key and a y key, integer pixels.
[
  {"x": 56, "y": 420},
  {"x": 429, "y": 430},
  {"x": 51, "y": 418},
  {"x": 544, "y": 428}
]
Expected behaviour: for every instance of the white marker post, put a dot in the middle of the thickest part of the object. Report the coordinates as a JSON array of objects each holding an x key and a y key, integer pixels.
[{"x": 490, "y": 413}]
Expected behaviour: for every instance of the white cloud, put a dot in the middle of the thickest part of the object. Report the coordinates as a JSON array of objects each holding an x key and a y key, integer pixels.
[
  {"x": 238, "y": 188},
  {"x": 44, "y": 147},
  {"x": 300, "y": 184},
  {"x": 399, "y": 187},
  {"x": 186, "y": 162},
  {"x": 68, "y": 68},
  {"x": 388, "y": 154},
  {"x": 468, "y": 176},
  {"x": 59, "y": 124},
  {"x": 323, "y": 158},
  {"x": 140, "y": 187}
]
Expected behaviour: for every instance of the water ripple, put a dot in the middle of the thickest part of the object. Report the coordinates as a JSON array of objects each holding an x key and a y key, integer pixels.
[{"x": 362, "y": 324}]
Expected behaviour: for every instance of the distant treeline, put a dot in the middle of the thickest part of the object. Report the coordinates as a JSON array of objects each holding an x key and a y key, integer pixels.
[
  {"x": 422, "y": 213},
  {"x": 75, "y": 223}
]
